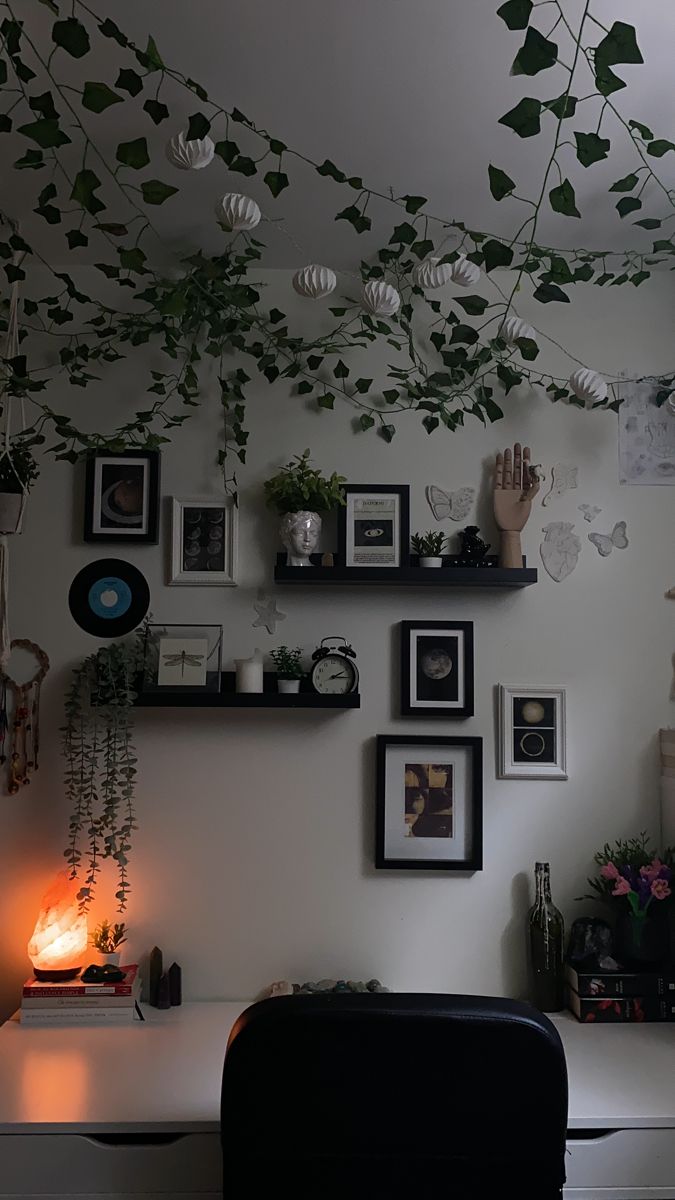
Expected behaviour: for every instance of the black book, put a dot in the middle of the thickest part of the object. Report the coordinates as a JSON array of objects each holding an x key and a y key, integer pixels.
[{"x": 614, "y": 984}]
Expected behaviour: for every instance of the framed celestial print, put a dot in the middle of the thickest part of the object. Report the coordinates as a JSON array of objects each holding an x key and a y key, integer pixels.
[
  {"x": 182, "y": 658},
  {"x": 122, "y": 497},
  {"x": 204, "y": 542},
  {"x": 374, "y": 525},
  {"x": 429, "y": 803},
  {"x": 532, "y": 743},
  {"x": 437, "y": 669}
]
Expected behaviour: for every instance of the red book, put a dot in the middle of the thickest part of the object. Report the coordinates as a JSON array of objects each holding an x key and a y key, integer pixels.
[{"x": 38, "y": 988}]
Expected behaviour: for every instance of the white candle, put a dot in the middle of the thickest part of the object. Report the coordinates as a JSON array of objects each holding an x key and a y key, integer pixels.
[{"x": 250, "y": 673}]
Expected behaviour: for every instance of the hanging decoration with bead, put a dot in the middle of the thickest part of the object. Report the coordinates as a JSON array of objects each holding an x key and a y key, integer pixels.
[
  {"x": 315, "y": 281},
  {"x": 190, "y": 154},
  {"x": 588, "y": 386},
  {"x": 236, "y": 213},
  {"x": 381, "y": 299},
  {"x": 23, "y": 750}
]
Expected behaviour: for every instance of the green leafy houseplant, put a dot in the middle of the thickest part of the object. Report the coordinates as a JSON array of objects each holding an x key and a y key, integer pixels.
[
  {"x": 300, "y": 487},
  {"x": 108, "y": 938},
  {"x": 428, "y": 545},
  {"x": 18, "y": 468},
  {"x": 288, "y": 662}
]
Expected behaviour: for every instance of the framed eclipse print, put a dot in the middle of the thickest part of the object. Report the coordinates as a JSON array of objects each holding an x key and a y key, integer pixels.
[
  {"x": 437, "y": 669},
  {"x": 122, "y": 497},
  {"x": 532, "y": 741},
  {"x": 204, "y": 542},
  {"x": 429, "y": 803},
  {"x": 374, "y": 525}
]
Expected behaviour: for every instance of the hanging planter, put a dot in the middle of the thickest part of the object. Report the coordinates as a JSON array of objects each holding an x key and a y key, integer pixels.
[
  {"x": 18, "y": 472},
  {"x": 12, "y": 505}
]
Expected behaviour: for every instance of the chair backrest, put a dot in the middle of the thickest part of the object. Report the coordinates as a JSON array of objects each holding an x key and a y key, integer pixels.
[{"x": 390, "y": 1095}]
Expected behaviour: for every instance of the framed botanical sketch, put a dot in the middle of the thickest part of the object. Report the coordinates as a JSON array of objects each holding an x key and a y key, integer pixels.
[
  {"x": 374, "y": 525},
  {"x": 437, "y": 669},
  {"x": 204, "y": 542},
  {"x": 429, "y": 803},
  {"x": 532, "y": 741},
  {"x": 122, "y": 497}
]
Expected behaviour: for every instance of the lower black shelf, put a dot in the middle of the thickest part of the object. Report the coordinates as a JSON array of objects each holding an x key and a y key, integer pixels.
[{"x": 227, "y": 697}]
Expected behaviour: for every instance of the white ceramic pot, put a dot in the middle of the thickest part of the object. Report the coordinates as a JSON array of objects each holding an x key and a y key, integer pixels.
[
  {"x": 110, "y": 960},
  {"x": 11, "y": 511},
  {"x": 300, "y": 532},
  {"x": 433, "y": 561},
  {"x": 288, "y": 686}
]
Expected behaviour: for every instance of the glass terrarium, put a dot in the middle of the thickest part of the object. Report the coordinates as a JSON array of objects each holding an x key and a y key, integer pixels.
[{"x": 182, "y": 658}]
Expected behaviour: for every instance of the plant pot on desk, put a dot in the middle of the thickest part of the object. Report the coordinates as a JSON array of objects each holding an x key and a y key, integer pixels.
[{"x": 641, "y": 941}]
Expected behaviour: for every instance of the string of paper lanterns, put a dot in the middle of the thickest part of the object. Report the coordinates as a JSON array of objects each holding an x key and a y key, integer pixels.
[
  {"x": 315, "y": 281},
  {"x": 190, "y": 155},
  {"x": 513, "y": 328},
  {"x": 236, "y": 213},
  {"x": 588, "y": 386}
]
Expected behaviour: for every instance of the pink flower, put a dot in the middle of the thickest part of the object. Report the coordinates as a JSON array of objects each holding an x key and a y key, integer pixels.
[
  {"x": 660, "y": 889},
  {"x": 652, "y": 871},
  {"x": 622, "y": 887},
  {"x": 609, "y": 871}
]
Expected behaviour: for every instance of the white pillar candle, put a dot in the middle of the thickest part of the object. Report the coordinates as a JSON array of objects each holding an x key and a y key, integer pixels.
[{"x": 250, "y": 673}]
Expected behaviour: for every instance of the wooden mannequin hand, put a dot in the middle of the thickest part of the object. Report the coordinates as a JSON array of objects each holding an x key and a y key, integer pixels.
[{"x": 516, "y": 484}]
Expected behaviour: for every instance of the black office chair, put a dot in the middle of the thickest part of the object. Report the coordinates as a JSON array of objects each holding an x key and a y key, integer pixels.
[{"x": 374, "y": 1096}]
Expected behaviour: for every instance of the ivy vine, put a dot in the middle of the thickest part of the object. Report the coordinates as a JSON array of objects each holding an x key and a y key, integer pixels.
[{"x": 449, "y": 358}]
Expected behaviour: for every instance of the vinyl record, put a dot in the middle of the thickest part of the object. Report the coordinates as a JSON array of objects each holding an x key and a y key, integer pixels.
[{"x": 109, "y": 598}]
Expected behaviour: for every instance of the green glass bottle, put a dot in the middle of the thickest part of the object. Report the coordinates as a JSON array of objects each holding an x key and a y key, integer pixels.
[{"x": 547, "y": 937}]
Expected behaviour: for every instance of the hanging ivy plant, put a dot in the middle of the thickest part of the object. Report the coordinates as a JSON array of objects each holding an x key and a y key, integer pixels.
[{"x": 443, "y": 366}]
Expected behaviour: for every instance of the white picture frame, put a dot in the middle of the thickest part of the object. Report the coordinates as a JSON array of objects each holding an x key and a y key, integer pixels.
[
  {"x": 214, "y": 560},
  {"x": 532, "y": 733}
]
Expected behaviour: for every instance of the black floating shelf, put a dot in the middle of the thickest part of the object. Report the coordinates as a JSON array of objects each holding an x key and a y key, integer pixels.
[
  {"x": 227, "y": 697},
  {"x": 491, "y": 576}
]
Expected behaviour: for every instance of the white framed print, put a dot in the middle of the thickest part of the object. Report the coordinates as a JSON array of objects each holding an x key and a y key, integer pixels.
[
  {"x": 532, "y": 733},
  {"x": 204, "y": 542}
]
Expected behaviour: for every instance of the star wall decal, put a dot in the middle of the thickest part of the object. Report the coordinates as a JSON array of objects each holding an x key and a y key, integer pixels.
[{"x": 268, "y": 614}]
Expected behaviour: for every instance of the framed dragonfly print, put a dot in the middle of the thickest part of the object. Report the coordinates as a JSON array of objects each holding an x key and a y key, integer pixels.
[{"x": 182, "y": 658}]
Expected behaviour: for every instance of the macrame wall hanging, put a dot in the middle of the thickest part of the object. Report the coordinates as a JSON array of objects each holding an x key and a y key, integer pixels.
[
  {"x": 20, "y": 729},
  {"x": 12, "y": 503}
]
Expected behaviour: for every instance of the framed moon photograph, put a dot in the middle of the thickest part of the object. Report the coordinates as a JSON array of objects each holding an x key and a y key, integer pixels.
[
  {"x": 532, "y": 736},
  {"x": 204, "y": 542},
  {"x": 122, "y": 497},
  {"x": 374, "y": 525},
  {"x": 437, "y": 669},
  {"x": 429, "y": 803}
]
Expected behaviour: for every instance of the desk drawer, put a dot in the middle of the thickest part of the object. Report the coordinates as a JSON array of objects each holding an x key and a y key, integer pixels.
[
  {"x": 625, "y": 1164},
  {"x": 70, "y": 1165}
]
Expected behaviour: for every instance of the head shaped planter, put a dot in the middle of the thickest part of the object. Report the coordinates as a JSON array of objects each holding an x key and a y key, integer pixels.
[
  {"x": 300, "y": 533},
  {"x": 58, "y": 947}
]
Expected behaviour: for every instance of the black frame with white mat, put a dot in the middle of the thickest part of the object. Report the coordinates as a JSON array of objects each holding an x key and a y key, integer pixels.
[
  {"x": 374, "y": 526},
  {"x": 121, "y": 501},
  {"x": 437, "y": 669},
  {"x": 532, "y": 733},
  {"x": 434, "y": 784}
]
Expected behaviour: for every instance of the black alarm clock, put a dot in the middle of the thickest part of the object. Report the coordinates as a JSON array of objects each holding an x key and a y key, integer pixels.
[{"x": 334, "y": 672}]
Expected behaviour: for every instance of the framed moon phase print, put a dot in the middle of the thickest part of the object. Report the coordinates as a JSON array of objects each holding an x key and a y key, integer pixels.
[
  {"x": 429, "y": 803},
  {"x": 532, "y": 741},
  {"x": 374, "y": 525},
  {"x": 122, "y": 497},
  {"x": 437, "y": 669},
  {"x": 204, "y": 542}
]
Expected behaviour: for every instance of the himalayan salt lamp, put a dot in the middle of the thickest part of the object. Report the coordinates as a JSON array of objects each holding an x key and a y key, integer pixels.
[{"x": 58, "y": 946}]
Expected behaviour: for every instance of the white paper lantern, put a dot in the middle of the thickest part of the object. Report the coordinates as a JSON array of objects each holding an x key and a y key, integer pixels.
[
  {"x": 465, "y": 273},
  {"x": 670, "y": 403},
  {"x": 432, "y": 273},
  {"x": 513, "y": 328},
  {"x": 236, "y": 212},
  {"x": 380, "y": 298},
  {"x": 315, "y": 281},
  {"x": 190, "y": 155},
  {"x": 588, "y": 386}
]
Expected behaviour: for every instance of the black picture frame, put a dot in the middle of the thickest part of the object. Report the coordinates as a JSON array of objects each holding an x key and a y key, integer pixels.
[
  {"x": 472, "y": 803},
  {"x": 94, "y": 530},
  {"x": 402, "y": 492},
  {"x": 455, "y": 708}
]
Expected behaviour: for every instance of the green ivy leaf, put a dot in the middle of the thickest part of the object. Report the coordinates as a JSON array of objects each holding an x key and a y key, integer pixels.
[
  {"x": 660, "y": 147},
  {"x": 326, "y": 401},
  {"x": 591, "y": 148},
  {"x": 86, "y": 183},
  {"x": 405, "y": 234},
  {"x": 363, "y": 385},
  {"x": 129, "y": 81},
  {"x": 413, "y": 204},
  {"x": 243, "y": 165},
  {"x": 548, "y": 292},
  {"x": 32, "y": 160},
  {"x": 648, "y": 223},
  {"x": 500, "y": 183},
  {"x": 618, "y": 46},
  {"x": 583, "y": 274},
  {"x": 366, "y": 421},
  {"x": 627, "y": 205},
  {"x": 71, "y": 36},
  {"x": 388, "y": 432},
  {"x": 358, "y": 220},
  {"x": 198, "y": 127},
  {"x": 75, "y": 237},
  {"x": 156, "y": 110},
  {"x": 639, "y": 277},
  {"x": 562, "y": 107},
  {"x": 465, "y": 334},
  {"x": 508, "y": 377},
  {"x": 133, "y": 259},
  {"x": 114, "y": 228},
  {"x": 525, "y": 118},
  {"x": 563, "y": 200},
  {"x": 473, "y": 305},
  {"x": 528, "y": 348},
  {"x": 133, "y": 154},
  {"x": 422, "y": 248},
  {"x": 391, "y": 395},
  {"x": 276, "y": 182},
  {"x": 3, "y": 72},
  {"x": 430, "y": 423},
  {"x": 5, "y": 123},
  {"x": 110, "y": 30},
  {"x": 340, "y": 370},
  {"x": 496, "y": 254},
  {"x": 150, "y": 58},
  {"x": 305, "y": 387},
  {"x": 536, "y": 54},
  {"x": 643, "y": 130},
  {"x": 45, "y": 132},
  {"x": 156, "y": 192},
  {"x": 98, "y": 96},
  {"x": 626, "y": 184},
  {"x": 516, "y": 13},
  {"x": 329, "y": 169},
  {"x": 44, "y": 105}
]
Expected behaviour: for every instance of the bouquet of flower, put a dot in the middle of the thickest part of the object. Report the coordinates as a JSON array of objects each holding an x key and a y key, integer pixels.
[{"x": 632, "y": 870}]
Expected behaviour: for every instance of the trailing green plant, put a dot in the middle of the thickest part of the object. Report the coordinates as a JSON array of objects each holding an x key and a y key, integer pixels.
[
  {"x": 428, "y": 545},
  {"x": 449, "y": 359},
  {"x": 298, "y": 486},
  {"x": 18, "y": 466},
  {"x": 108, "y": 938},
  {"x": 101, "y": 765},
  {"x": 288, "y": 662}
]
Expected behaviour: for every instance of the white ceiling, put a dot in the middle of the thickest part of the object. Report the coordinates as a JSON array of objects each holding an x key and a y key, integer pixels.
[{"x": 406, "y": 93}]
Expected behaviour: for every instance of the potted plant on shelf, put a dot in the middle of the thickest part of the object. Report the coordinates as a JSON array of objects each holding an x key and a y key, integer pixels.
[
  {"x": 107, "y": 939},
  {"x": 300, "y": 493},
  {"x": 637, "y": 883},
  {"x": 429, "y": 548},
  {"x": 289, "y": 668},
  {"x": 18, "y": 472}
]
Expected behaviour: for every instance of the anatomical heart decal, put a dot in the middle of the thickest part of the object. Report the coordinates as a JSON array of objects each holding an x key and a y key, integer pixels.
[{"x": 560, "y": 549}]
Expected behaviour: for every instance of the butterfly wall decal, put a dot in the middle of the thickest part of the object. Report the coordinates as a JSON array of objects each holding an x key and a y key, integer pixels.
[
  {"x": 454, "y": 505},
  {"x": 606, "y": 542}
]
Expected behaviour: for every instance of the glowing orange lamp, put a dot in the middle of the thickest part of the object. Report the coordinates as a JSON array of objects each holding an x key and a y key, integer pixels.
[{"x": 58, "y": 946}]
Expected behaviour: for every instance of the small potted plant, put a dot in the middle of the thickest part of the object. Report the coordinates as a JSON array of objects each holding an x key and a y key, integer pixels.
[
  {"x": 18, "y": 472},
  {"x": 429, "y": 548},
  {"x": 289, "y": 668},
  {"x": 300, "y": 493},
  {"x": 107, "y": 939}
]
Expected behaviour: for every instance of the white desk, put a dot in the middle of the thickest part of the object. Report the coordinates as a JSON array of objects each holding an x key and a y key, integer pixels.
[{"x": 154, "y": 1089}]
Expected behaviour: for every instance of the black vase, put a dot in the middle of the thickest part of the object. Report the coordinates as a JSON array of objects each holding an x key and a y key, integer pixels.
[{"x": 641, "y": 942}]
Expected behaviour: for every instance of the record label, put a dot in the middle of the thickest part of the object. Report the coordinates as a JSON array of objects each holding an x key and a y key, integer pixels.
[{"x": 109, "y": 598}]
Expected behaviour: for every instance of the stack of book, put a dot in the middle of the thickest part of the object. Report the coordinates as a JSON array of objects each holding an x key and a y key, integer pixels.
[
  {"x": 603, "y": 997},
  {"x": 78, "y": 1003}
]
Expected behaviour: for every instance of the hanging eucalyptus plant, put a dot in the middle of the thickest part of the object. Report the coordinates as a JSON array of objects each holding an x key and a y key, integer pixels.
[{"x": 450, "y": 359}]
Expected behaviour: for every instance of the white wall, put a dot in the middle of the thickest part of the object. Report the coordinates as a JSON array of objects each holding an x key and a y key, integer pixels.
[{"x": 254, "y": 856}]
